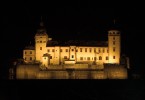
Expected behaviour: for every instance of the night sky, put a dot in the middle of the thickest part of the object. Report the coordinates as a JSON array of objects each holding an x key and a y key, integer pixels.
[{"x": 72, "y": 20}]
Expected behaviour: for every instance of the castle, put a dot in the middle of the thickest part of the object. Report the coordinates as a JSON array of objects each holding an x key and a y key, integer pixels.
[{"x": 73, "y": 59}]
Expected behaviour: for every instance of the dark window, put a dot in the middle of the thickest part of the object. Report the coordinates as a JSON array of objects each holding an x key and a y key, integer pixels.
[
  {"x": 90, "y": 50},
  {"x": 48, "y": 50},
  {"x": 72, "y": 49},
  {"x": 80, "y": 49},
  {"x": 100, "y": 58},
  {"x": 60, "y": 50},
  {"x": 66, "y": 50},
  {"x": 113, "y": 42},
  {"x": 85, "y": 49},
  {"x": 103, "y": 50},
  {"x": 30, "y": 58},
  {"x": 88, "y": 58},
  {"x": 40, "y": 41},
  {"x": 65, "y": 57},
  {"x": 99, "y": 50},
  {"x": 50, "y": 57},
  {"x": 52, "y": 50},
  {"x": 113, "y": 49},
  {"x": 72, "y": 56},
  {"x": 107, "y": 51},
  {"x": 95, "y": 58},
  {"x": 30, "y": 52},
  {"x": 25, "y": 52},
  {"x": 94, "y": 49},
  {"x": 40, "y": 48},
  {"x": 81, "y": 58},
  {"x": 107, "y": 58},
  {"x": 76, "y": 50},
  {"x": 114, "y": 38},
  {"x": 113, "y": 57}
]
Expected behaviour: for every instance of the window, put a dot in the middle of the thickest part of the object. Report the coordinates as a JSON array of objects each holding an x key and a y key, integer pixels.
[
  {"x": 99, "y": 50},
  {"x": 65, "y": 57},
  {"x": 48, "y": 50},
  {"x": 37, "y": 41},
  {"x": 113, "y": 42},
  {"x": 95, "y": 58},
  {"x": 94, "y": 49},
  {"x": 76, "y": 50},
  {"x": 52, "y": 50},
  {"x": 60, "y": 50},
  {"x": 107, "y": 58},
  {"x": 80, "y": 49},
  {"x": 30, "y": 58},
  {"x": 44, "y": 41},
  {"x": 72, "y": 56},
  {"x": 66, "y": 50},
  {"x": 50, "y": 57},
  {"x": 40, "y": 48},
  {"x": 30, "y": 52},
  {"x": 107, "y": 51},
  {"x": 88, "y": 58},
  {"x": 81, "y": 58},
  {"x": 25, "y": 58},
  {"x": 40, "y": 41},
  {"x": 100, "y": 58},
  {"x": 114, "y": 38},
  {"x": 90, "y": 50},
  {"x": 25, "y": 52},
  {"x": 72, "y": 49},
  {"x": 113, "y": 57},
  {"x": 85, "y": 49},
  {"x": 113, "y": 49},
  {"x": 103, "y": 50}
]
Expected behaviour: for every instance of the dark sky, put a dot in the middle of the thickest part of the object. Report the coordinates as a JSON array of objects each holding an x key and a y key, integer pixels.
[{"x": 72, "y": 20}]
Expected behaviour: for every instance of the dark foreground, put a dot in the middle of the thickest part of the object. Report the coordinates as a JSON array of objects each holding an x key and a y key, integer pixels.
[{"x": 72, "y": 90}]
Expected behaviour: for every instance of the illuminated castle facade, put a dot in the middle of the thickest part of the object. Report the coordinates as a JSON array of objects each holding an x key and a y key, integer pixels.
[
  {"x": 50, "y": 52},
  {"x": 73, "y": 59}
]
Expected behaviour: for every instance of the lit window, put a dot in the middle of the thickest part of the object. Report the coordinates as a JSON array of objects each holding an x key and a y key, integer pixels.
[
  {"x": 100, "y": 58},
  {"x": 40, "y": 48},
  {"x": 81, "y": 58},
  {"x": 85, "y": 49},
  {"x": 113, "y": 57},
  {"x": 80, "y": 49}
]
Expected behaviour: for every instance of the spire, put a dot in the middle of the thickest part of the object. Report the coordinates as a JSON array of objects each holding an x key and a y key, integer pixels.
[
  {"x": 114, "y": 21},
  {"x": 41, "y": 22}
]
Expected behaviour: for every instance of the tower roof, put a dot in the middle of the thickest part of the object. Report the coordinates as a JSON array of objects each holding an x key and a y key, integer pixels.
[
  {"x": 41, "y": 30},
  {"x": 114, "y": 25}
]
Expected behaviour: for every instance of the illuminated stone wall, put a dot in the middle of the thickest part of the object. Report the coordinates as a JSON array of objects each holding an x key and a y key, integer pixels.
[{"x": 34, "y": 72}]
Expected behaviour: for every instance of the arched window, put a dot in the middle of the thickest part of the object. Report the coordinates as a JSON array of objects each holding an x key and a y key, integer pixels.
[{"x": 100, "y": 58}]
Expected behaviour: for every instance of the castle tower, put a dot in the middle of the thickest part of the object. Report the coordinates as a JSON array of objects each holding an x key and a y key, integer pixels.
[
  {"x": 114, "y": 46},
  {"x": 41, "y": 39}
]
